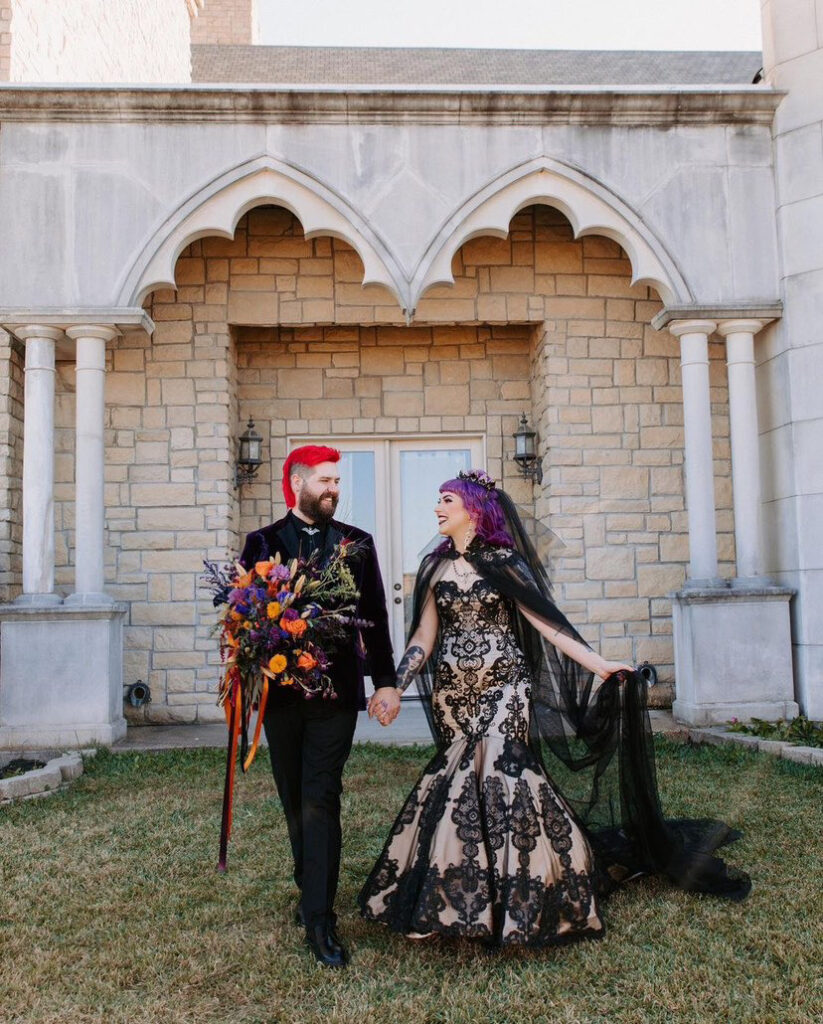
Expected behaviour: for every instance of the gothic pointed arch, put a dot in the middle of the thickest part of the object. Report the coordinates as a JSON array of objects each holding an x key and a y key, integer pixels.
[
  {"x": 216, "y": 207},
  {"x": 590, "y": 207}
]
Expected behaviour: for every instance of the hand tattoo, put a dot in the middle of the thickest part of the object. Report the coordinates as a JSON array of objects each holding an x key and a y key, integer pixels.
[{"x": 410, "y": 664}]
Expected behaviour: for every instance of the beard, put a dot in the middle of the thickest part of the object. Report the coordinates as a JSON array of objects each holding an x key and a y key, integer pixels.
[{"x": 320, "y": 508}]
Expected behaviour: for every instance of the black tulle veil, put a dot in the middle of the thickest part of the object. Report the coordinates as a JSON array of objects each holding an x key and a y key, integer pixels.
[{"x": 593, "y": 738}]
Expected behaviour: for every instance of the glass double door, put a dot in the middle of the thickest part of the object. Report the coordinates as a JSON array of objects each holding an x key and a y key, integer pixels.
[{"x": 389, "y": 487}]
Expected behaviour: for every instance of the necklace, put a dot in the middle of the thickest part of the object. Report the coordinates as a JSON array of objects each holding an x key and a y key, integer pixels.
[{"x": 463, "y": 574}]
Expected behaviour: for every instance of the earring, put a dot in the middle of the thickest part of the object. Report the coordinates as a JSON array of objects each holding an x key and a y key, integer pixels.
[{"x": 470, "y": 533}]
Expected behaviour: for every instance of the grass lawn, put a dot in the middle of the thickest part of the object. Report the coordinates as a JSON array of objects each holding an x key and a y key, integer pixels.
[{"x": 111, "y": 910}]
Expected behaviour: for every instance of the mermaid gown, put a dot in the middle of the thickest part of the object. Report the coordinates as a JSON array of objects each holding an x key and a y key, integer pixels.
[{"x": 484, "y": 847}]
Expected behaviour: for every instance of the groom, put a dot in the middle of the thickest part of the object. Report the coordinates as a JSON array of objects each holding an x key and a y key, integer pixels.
[{"x": 310, "y": 740}]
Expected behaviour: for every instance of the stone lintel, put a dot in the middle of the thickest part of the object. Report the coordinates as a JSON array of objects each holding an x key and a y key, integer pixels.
[
  {"x": 765, "y": 311},
  {"x": 342, "y": 104}
]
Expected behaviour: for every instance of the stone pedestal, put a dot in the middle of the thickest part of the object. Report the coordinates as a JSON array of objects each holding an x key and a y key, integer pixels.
[
  {"x": 61, "y": 676},
  {"x": 732, "y": 653}
]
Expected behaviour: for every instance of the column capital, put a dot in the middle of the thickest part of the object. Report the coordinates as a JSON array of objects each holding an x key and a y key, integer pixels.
[
  {"x": 680, "y": 327},
  {"x": 741, "y": 326},
  {"x": 101, "y": 331},
  {"x": 38, "y": 331}
]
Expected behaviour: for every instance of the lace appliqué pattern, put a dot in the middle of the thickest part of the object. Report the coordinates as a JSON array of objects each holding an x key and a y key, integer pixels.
[{"x": 484, "y": 847}]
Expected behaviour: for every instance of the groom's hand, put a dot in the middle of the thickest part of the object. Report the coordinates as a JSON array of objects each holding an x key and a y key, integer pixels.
[{"x": 385, "y": 705}]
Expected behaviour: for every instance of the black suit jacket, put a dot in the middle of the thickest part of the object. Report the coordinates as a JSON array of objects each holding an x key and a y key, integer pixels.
[{"x": 347, "y": 669}]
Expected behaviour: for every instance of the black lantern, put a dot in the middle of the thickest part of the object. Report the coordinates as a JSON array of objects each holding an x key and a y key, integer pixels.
[
  {"x": 249, "y": 458},
  {"x": 525, "y": 451}
]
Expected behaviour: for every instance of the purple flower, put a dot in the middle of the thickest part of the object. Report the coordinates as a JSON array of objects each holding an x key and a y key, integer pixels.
[
  {"x": 236, "y": 595},
  {"x": 281, "y": 597},
  {"x": 279, "y": 572},
  {"x": 291, "y": 613}
]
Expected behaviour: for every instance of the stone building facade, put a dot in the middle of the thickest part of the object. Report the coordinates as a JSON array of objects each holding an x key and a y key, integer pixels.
[{"x": 378, "y": 265}]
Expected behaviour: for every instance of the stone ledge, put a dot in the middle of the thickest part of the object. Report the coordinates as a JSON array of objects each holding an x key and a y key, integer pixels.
[
  {"x": 305, "y": 104},
  {"x": 776, "y": 748},
  {"x": 57, "y": 773}
]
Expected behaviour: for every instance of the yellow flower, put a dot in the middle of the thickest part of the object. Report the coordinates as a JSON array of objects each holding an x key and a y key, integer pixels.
[
  {"x": 277, "y": 664},
  {"x": 273, "y": 609}
]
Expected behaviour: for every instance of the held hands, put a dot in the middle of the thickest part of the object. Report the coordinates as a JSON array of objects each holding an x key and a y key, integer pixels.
[
  {"x": 608, "y": 668},
  {"x": 385, "y": 705}
]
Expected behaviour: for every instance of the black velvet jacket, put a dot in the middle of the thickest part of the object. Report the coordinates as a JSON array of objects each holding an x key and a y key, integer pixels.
[{"x": 347, "y": 669}]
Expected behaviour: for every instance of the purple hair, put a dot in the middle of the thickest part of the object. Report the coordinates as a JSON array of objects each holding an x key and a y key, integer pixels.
[{"x": 484, "y": 508}]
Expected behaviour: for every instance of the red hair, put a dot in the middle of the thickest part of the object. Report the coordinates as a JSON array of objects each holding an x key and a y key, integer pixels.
[{"x": 307, "y": 455}]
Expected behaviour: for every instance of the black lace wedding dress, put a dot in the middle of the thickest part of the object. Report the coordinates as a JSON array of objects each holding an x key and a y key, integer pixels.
[{"x": 486, "y": 845}]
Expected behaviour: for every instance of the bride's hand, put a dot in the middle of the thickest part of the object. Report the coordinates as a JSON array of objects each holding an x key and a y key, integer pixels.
[
  {"x": 608, "y": 668},
  {"x": 385, "y": 705}
]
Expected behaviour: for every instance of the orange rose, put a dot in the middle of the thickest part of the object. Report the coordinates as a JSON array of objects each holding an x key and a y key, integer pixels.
[
  {"x": 262, "y": 568},
  {"x": 297, "y": 627},
  {"x": 277, "y": 664},
  {"x": 306, "y": 661}
]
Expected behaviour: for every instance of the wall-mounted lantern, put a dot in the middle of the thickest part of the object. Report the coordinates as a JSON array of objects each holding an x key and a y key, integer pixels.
[
  {"x": 249, "y": 458},
  {"x": 525, "y": 451}
]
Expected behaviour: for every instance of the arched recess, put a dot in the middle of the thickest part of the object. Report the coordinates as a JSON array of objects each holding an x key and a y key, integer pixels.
[
  {"x": 590, "y": 208},
  {"x": 216, "y": 208}
]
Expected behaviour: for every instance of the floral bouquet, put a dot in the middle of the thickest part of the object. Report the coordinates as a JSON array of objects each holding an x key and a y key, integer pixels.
[{"x": 280, "y": 626}]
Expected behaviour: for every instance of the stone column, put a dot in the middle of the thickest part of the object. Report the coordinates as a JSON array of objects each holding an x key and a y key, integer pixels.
[
  {"x": 739, "y": 335},
  {"x": 38, "y": 465},
  {"x": 89, "y": 463},
  {"x": 697, "y": 422}
]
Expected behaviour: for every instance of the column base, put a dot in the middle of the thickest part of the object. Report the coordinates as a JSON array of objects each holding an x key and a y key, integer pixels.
[
  {"x": 89, "y": 601},
  {"x": 732, "y": 654},
  {"x": 61, "y": 676},
  {"x": 38, "y": 600}
]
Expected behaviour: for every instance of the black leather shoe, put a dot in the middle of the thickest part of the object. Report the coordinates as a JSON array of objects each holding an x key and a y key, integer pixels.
[
  {"x": 336, "y": 942},
  {"x": 325, "y": 951}
]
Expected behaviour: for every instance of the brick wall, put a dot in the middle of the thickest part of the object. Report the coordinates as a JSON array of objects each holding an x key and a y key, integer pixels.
[
  {"x": 11, "y": 466},
  {"x": 97, "y": 41},
  {"x": 536, "y": 322},
  {"x": 226, "y": 22},
  {"x": 5, "y": 40}
]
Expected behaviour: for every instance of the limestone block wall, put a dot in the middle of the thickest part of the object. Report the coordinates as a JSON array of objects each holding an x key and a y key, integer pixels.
[
  {"x": 608, "y": 408},
  {"x": 11, "y": 466},
  {"x": 96, "y": 41},
  {"x": 226, "y": 22},
  {"x": 382, "y": 381},
  {"x": 278, "y": 327}
]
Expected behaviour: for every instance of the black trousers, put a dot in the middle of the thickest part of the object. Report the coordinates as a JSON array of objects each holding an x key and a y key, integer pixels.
[{"x": 309, "y": 743}]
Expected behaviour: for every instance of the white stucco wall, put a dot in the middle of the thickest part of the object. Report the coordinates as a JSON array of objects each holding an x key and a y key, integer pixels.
[
  {"x": 100, "y": 41},
  {"x": 791, "y": 354},
  {"x": 103, "y": 190}
]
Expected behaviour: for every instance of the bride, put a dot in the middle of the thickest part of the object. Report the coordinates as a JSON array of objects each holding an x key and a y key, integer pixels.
[{"x": 486, "y": 845}]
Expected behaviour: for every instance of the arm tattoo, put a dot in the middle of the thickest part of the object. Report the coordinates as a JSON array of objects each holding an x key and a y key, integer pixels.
[{"x": 410, "y": 664}]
